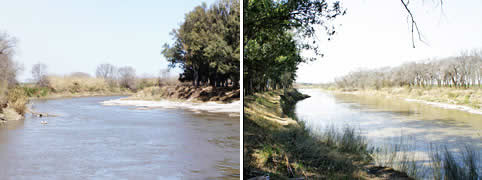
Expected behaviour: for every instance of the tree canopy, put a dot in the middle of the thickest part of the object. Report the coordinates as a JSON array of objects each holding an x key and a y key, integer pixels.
[
  {"x": 272, "y": 33},
  {"x": 206, "y": 45}
]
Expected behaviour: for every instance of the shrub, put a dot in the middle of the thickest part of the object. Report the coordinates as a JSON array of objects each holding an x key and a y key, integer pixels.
[{"x": 17, "y": 100}]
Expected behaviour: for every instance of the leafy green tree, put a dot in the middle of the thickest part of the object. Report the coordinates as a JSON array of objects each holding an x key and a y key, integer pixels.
[
  {"x": 272, "y": 30},
  {"x": 206, "y": 45}
]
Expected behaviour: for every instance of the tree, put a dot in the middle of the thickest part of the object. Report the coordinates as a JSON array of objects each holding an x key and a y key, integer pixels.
[
  {"x": 127, "y": 77},
  {"x": 108, "y": 72},
  {"x": 272, "y": 30},
  {"x": 39, "y": 74},
  {"x": 8, "y": 67},
  {"x": 461, "y": 71},
  {"x": 206, "y": 45}
]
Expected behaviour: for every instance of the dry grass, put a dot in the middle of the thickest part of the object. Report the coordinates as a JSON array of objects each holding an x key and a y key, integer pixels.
[
  {"x": 77, "y": 84},
  {"x": 14, "y": 104},
  {"x": 17, "y": 100},
  {"x": 471, "y": 97}
]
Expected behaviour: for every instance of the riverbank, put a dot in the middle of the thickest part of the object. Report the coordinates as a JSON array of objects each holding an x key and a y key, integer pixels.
[
  {"x": 469, "y": 100},
  {"x": 278, "y": 145},
  {"x": 182, "y": 92}
]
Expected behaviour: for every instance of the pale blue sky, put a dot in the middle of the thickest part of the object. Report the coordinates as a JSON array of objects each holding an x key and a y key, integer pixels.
[
  {"x": 72, "y": 36},
  {"x": 374, "y": 33}
]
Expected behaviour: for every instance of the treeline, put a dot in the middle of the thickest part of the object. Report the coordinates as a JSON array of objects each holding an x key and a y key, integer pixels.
[
  {"x": 462, "y": 71},
  {"x": 206, "y": 45},
  {"x": 272, "y": 33},
  {"x": 107, "y": 77}
]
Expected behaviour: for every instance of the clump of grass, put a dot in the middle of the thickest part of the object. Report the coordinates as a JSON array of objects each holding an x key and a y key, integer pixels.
[
  {"x": 452, "y": 95},
  {"x": 17, "y": 100},
  {"x": 36, "y": 91},
  {"x": 444, "y": 164},
  {"x": 346, "y": 139},
  {"x": 400, "y": 156}
]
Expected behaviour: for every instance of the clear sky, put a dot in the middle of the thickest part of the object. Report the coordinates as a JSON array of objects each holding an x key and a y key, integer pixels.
[
  {"x": 375, "y": 33},
  {"x": 72, "y": 36}
]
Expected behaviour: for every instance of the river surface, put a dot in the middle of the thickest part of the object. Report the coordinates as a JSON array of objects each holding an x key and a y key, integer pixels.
[
  {"x": 386, "y": 121},
  {"x": 91, "y": 141}
]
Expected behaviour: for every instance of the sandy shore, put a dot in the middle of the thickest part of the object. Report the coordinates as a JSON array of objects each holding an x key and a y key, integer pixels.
[
  {"x": 447, "y": 106},
  {"x": 232, "y": 108}
]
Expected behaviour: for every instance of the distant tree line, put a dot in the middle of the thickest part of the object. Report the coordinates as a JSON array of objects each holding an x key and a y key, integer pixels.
[
  {"x": 461, "y": 71},
  {"x": 206, "y": 45},
  {"x": 272, "y": 33}
]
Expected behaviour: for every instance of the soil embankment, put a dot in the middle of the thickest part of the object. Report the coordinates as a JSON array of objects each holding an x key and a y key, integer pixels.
[{"x": 189, "y": 93}]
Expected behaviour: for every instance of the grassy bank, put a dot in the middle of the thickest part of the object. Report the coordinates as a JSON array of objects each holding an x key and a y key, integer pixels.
[
  {"x": 471, "y": 97},
  {"x": 13, "y": 104},
  {"x": 69, "y": 86},
  {"x": 277, "y": 145}
]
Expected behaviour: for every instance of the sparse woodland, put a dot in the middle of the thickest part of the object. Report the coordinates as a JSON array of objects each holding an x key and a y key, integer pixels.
[{"x": 463, "y": 71}]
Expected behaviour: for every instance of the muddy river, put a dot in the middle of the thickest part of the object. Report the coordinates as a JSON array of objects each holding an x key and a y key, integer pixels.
[{"x": 88, "y": 140}]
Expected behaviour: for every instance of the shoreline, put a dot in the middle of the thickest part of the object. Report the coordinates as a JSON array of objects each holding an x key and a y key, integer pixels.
[
  {"x": 272, "y": 137},
  {"x": 211, "y": 106},
  {"x": 64, "y": 96},
  {"x": 465, "y": 108}
]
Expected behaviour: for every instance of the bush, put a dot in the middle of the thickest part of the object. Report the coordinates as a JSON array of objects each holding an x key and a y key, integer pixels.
[
  {"x": 17, "y": 100},
  {"x": 36, "y": 91}
]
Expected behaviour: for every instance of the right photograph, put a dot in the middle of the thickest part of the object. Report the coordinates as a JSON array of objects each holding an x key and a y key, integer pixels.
[{"x": 361, "y": 89}]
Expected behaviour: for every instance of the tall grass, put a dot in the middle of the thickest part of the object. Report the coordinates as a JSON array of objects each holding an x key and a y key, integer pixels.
[
  {"x": 75, "y": 84},
  {"x": 401, "y": 156},
  {"x": 445, "y": 165},
  {"x": 347, "y": 139},
  {"x": 17, "y": 100}
]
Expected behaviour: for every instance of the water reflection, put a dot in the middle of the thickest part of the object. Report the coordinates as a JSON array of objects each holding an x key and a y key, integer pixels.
[{"x": 385, "y": 121}]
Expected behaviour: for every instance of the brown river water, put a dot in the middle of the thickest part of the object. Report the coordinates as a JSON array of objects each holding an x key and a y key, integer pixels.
[
  {"x": 91, "y": 141},
  {"x": 387, "y": 121}
]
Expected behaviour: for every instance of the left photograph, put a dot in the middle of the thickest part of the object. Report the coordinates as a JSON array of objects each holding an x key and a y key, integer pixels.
[{"x": 120, "y": 90}]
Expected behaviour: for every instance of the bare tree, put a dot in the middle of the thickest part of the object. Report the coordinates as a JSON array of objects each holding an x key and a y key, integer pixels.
[
  {"x": 105, "y": 71},
  {"x": 462, "y": 71},
  {"x": 127, "y": 77},
  {"x": 39, "y": 74},
  {"x": 108, "y": 72},
  {"x": 8, "y": 67}
]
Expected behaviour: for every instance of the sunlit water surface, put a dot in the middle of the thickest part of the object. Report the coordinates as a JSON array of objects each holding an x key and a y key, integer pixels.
[
  {"x": 91, "y": 141},
  {"x": 385, "y": 122}
]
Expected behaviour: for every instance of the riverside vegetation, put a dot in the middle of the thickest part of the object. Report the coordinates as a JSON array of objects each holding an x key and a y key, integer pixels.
[
  {"x": 206, "y": 48},
  {"x": 453, "y": 80},
  {"x": 278, "y": 145}
]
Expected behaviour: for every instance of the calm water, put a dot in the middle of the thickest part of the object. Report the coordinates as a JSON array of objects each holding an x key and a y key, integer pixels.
[
  {"x": 384, "y": 121},
  {"x": 91, "y": 141}
]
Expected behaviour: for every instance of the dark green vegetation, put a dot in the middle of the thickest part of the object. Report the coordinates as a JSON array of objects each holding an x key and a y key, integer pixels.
[
  {"x": 206, "y": 46},
  {"x": 285, "y": 150},
  {"x": 273, "y": 32},
  {"x": 463, "y": 71}
]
